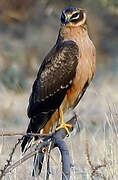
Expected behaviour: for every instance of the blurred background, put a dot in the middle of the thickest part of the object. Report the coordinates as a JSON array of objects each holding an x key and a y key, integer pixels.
[{"x": 28, "y": 29}]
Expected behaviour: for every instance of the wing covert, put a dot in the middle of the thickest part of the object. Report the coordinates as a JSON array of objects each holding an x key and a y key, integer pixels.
[{"x": 54, "y": 78}]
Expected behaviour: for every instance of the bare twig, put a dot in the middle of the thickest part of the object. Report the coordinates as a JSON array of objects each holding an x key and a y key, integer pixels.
[
  {"x": 26, "y": 157},
  {"x": 24, "y": 134},
  {"x": 48, "y": 162},
  {"x": 10, "y": 158},
  {"x": 56, "y": 139},
  {"x": 94, "y": 168}
]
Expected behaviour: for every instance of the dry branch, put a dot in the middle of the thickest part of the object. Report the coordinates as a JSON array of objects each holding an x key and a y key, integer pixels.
[
  {"x": 10, "y": 159},
  {"x": 24, "y": 134},
  {"x": 56, "y": 140},
  {"x": 94, "y": 169}
]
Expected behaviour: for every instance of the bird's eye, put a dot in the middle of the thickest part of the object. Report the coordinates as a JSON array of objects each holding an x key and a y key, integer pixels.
[{"x": 75, "y": 16}]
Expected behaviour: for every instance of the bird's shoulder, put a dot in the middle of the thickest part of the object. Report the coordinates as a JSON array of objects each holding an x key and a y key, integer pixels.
[
  {"x": 54, "y": 78},
  {"x": 60, "y": 53}
]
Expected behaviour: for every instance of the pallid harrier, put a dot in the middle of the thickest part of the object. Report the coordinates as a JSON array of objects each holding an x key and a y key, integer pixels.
[{"x": 63, "y": 76}]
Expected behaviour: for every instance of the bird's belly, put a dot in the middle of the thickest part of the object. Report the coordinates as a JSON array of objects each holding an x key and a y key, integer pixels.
[
  {"x": 84, "y": 73},
  {"x": 74, "y": 93},
  {"x": 72, "y": 96}
]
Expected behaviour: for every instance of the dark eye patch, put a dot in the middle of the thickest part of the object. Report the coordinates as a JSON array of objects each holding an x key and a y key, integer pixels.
[
  {"x": 74, "y": 15},
  {"x": 80, "y": 17}
]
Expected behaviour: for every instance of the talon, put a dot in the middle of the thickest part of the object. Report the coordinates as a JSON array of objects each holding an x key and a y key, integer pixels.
[{"x": 62, "y": 124}]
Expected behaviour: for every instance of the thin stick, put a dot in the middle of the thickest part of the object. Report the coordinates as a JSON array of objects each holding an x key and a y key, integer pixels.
[
  {"x": 26, "y": 157},
  {"x": 56, "y": 138},
  {"x": 10, "y": 159},
  {"x": 23, "y": 134},
  {"x": 13, "y": 166}
]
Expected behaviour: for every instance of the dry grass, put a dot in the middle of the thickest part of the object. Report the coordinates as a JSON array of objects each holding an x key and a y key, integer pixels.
[
  {"x": 93, "y": 150},
  {"x": 22, "y": 47}
]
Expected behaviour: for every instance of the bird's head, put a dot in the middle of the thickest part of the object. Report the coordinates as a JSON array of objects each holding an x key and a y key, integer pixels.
[{"x": 73, "y": 17}]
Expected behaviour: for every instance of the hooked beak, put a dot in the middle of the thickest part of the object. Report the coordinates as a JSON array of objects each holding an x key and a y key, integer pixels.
[{"x": 67, "y": 19}]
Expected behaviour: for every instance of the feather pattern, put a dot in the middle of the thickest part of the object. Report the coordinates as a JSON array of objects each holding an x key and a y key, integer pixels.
[
  {"x": 54, "y": 78},
  {"x": 64, "y": 75}
]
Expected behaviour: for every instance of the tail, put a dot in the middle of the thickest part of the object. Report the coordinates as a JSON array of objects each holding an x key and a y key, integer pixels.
[{"x": 36, "y": 124}]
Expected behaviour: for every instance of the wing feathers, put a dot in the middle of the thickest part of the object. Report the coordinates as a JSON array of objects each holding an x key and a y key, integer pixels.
[{"x": 54, "y": 78}]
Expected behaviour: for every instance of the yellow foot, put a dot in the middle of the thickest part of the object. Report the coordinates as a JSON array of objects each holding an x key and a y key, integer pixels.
[{"x": 64, "y": 126}]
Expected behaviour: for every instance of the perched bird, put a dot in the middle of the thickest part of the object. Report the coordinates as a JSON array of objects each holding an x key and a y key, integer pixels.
[{"x": 64, "y": 75}]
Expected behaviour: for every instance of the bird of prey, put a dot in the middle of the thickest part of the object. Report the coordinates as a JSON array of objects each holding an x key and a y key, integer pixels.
[{"x": 64, "y": 75}]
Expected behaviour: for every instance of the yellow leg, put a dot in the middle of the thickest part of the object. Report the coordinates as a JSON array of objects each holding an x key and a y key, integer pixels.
[{"x": 62, "y": 124}]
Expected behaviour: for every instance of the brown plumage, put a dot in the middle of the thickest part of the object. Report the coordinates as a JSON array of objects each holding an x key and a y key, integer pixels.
[{"x": 64, "y": 75}]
